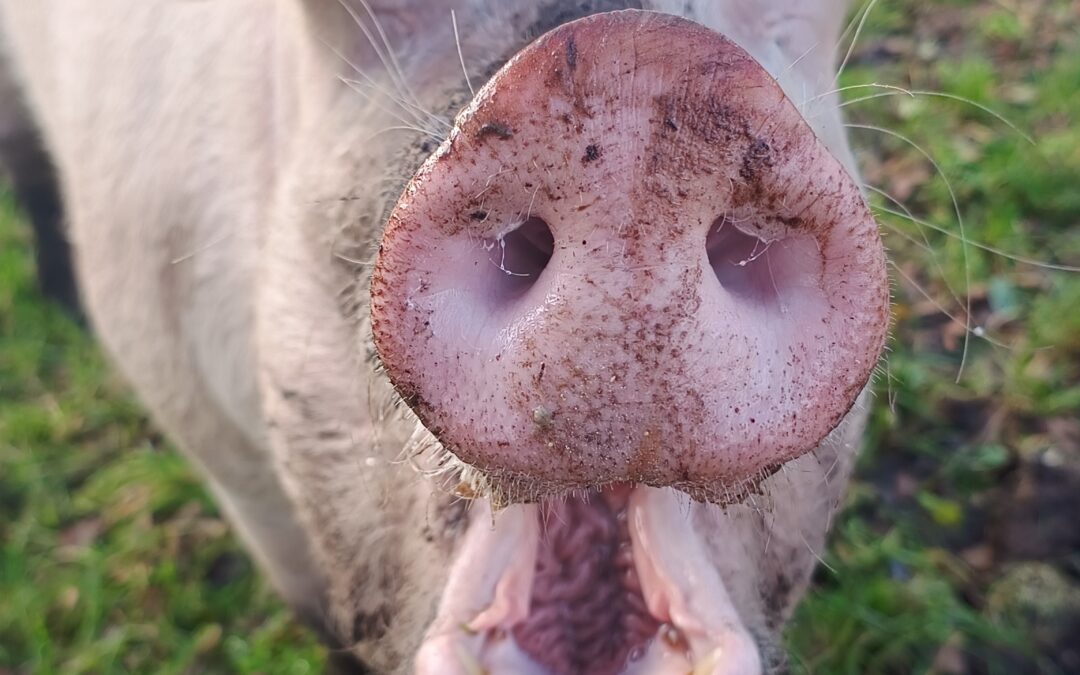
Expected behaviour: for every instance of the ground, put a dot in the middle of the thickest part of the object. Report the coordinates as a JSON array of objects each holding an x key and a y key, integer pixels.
[{"x": 958, "y": 550}]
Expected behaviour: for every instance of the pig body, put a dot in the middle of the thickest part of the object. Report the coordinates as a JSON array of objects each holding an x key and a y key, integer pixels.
[
  {"x": 227, "y": 168},
  {"x": 27, "y": 168}
]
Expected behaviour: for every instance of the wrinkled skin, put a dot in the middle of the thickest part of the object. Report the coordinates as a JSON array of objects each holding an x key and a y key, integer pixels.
[{"x": 226, "y": 185}]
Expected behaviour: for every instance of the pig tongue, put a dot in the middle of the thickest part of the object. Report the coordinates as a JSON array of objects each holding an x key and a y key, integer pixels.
[{"x": 488, "y": 621}]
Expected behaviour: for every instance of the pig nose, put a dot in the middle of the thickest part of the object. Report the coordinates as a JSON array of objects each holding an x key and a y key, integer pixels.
[{"x": 632, "y": 260}]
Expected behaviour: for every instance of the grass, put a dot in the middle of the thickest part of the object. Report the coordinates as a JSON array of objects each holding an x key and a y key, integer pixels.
[
  {"x": 947, "y": 557},
  {"x": 956, "y": 552},
  {"x": 112, "y": 557}
]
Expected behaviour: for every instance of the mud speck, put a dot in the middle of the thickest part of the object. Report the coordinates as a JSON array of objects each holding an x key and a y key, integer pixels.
[
  {"x": 543, "y": 418},
  {"x": 758, "y": 157},
  {"x": 494, "y": 128}
]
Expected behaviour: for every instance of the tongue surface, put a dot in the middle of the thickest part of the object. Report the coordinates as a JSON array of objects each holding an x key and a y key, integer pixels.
[{"x": 587, "y": 612}]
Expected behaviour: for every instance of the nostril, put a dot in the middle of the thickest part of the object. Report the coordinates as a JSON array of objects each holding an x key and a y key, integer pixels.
[
  {"x": 764, "y": 272},
  {"x": 742, "y": 262},
  {"x": 519, "y": 257}
]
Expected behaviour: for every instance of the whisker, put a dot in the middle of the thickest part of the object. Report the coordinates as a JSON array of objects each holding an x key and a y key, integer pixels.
[
  {"x": 406, "y": 106},
  {"x": 869, "y": 85},
  {"x": 959, "y": 223},
  {"x": 405, "y": 127},
  {"x": 801, "y": 57},
  {"x": 420, "y": 115},
  {"x": 914, "y": 93},
  {"x": 854, "y": 39},
  {"x": 205, "y": 247},
  {"x": 461, "y": 57},
  {"x": 817, "y": 556},
  {"x": 354, "y": 261},
  {"x": 977, "y": 331},
  {"x": 985, "y": 247},
  {"x": 384, "y": 51},
  {"x": 924, "y": 244},
  {"x": 415, "y": 124},
  {"x": 847, "y": 29},
  {"x": 889, "y": 379},
  {"x": 389, "y": 50}
]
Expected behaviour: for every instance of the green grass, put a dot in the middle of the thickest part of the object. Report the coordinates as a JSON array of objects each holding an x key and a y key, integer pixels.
[
  {"x": 960, "y": 478},
  {"x": 112, "y": 557},
  {"x": 956, "y": 551}
]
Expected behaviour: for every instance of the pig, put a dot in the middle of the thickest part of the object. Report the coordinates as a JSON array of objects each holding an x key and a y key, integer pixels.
[
  {"x": 25, "y": 166},
  {"x": 512, "y": 336}
]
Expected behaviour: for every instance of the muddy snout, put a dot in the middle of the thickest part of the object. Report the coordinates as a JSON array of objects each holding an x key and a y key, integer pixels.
[{"x": 631, "y": 261}]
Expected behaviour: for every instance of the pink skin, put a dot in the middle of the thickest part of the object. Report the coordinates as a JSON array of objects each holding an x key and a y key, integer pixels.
[{"x": 716, "y": 294}]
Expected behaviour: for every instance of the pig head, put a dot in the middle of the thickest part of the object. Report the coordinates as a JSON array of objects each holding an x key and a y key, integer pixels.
[{"x": 511, "y": 336}]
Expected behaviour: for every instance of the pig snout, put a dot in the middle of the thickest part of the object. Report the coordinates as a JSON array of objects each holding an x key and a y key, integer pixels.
[{"x": 631, "y": 261}]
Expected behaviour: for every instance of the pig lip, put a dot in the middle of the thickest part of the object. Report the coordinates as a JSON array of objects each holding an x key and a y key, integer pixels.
[{"x": 489, "y": 601}]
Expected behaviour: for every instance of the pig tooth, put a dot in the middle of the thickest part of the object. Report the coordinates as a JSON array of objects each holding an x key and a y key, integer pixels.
[{"x": 673, "y": 637}]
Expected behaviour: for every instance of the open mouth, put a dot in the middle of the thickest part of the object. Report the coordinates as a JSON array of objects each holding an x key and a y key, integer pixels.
[{"x": 612, "y": 581}]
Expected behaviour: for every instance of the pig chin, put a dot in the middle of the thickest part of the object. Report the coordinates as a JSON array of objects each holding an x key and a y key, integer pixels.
[{"x": 632, "y": 276}]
